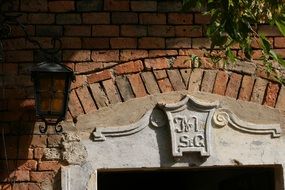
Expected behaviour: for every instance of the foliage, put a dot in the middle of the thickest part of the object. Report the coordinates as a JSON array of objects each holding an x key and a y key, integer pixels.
[{"x": 235, "y": 22}]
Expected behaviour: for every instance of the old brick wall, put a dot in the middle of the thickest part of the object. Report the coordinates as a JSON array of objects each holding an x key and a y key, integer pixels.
[{"x": 119, "y": 50}]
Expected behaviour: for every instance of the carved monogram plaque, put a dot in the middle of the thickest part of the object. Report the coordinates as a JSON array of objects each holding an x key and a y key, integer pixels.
[{"x": 190, "y": 125}]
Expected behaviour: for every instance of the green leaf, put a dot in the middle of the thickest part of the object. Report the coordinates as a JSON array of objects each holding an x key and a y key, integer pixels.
[
  {"x": 281, "y": 27},
  {"x": 265, "y": 44}
]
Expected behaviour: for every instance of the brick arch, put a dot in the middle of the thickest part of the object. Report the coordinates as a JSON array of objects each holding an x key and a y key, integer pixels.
[{"x": 139, "y": 73}]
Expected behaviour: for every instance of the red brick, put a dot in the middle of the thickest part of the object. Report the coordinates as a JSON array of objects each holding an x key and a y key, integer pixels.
[
  {"x": 129, "y": 67},
  {"x": 111, "y": 91},
  {"x": 281, "y": 99},
  {"x": 34, "y": 186},
  {"x": 271, "y": 94},
  {"x": 4, "y": 186},
  {"x": 157, "y": 63},
  {"x": 165, "y": 85},
  {"x": 144, "y": 6},
  {"x": 151, "y": 43},
  {"x": 169, "y": 6},
  {"x": 54, "y": 140},
  {"x": 74, "y": 105},
  {"x": 176, "y": 80},
  {"x": 137, "y": 85},
  {"x": 280, "y": 52},
  {"x": 200, "y": 18},
  {"x": 256, "y": 44},
  {"x": 33, "y": 141},
  {"x": 127, "y": 55},
  {"x": 14, "y": 44},
  {"x": 160, "y": 74},
  {"x": 96, "y": 18},
  {"x": 124, "y": 17},
  {"x": 123, "y": 43},
  {"x": 199, "y": 43},
  {"x": 197, "y": 52},
  {"x": 42, "y": 176},
  {"x": 74, "y": 30},
  {"x": 279, "y": 42},
  {"x": 19, "y": 56},
  {"x": 86, "y": 99},
  {"x": 34, "y": 5},
  {"x": 152, "y": 18},
  {"x": 95, "y": 43},
  {"x": 221, "y": 83},
  {"x": 208, "y": 81},
  {"x": 46, "y": 42},
  {"x": 114, "y": 5},
  {"x": 77, "y": 56},
  {"x": 246, "y": 88},
  {"x": 87, "y": 67},
  {"x": 182, "y": 62},
  {"x": 79, "y": 81},
  {"x": 105, "y": 30},
  {"x": 68, "y": 18},
  {"x": 233, "y": 85},
  {"x": 20, "y": 186},
  {"x": 188, "y": 31},
  {"x": 177, "y": 43},
  {"x": 161, "y": 30},
  {"x": 71, "y": 43},
  {"x": 99, "y": 76},
  {"x": 268, "y": 30},
  {"x": 105, "y": 56},
  {"x": 9, "y": 69},
  {"x": 161, "y": 53},
  {"x": 180, "y": 18},
  {"x": 27, "y": 165},
  {"x": 49, "y": 166},
  {"x": 38, "y": 153},
  {"x": 21, "y": 175},
  {"x": 133, "y": 30},
  {"x": 17, "y": 31},
  {"x": 89, "y": 6},
  {"x": 41, "y": 18},
  {"x": 150, "y": 83},
  {"x": 257, "y": 54},
  {"x": 61, "y": 6}
]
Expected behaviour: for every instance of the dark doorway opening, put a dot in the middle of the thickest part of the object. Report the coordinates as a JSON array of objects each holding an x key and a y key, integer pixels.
[{"x": 222, "y": 178}]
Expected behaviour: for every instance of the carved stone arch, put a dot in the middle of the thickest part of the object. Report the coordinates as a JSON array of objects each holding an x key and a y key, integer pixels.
[{"x": 159, "y": 131}]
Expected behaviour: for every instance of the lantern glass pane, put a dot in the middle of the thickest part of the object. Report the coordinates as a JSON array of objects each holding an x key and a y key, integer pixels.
[
  {"x": 59, "y": 84},
  {"x": 57, "y": 104},
  {"x": 45, "y": 104},
  {"x": 45, "y": 84}
]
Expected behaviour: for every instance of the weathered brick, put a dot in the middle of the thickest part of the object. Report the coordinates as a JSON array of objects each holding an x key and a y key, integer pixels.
[
  {"x": 161, "y": 53},
  {"x": 114, "y": 5},
  {"x": 268, "y": 30},
  {"x": 45, "y": 42},
  {"x": 105, "y": 30},
  {"x": 38, "y": 153},
  {"x": 208, "y": 81},
  {"x": 124, "y": 88},
  {"x": 34, "y": 141},
  {"x": 27, "y": 165},
  {"x": 150, "y": 83},
  {"x": 242, "y": 67},
  {"x": 161, "y": 30},
  {"x": 197, "y": 52},
  {"x": 280, "y": 52},
  {"x": 151, "y": 43},
  {"x": 123, "y": 43},
  {"x": 96, "y": 18},
  {"x": 129, "y": 67},
  {"x": 169, "y": 6},
  {"x": 177, "y": 43},
  {"x": 86, "y": 6},
  {"x": 99, "y": 76},
  {"x": 105, "y": 56},
  {"x": 233, "y": 85},
  {"x": 79, "y": 55},
  {"x": 199, "y": 43},
  {"x": 152, "y": 18},
  {"x": 180, "y": 18},
  {"x": 200, "y": 18},
  {"x": 80, "y": 80},
  {"x": 271, "y": 94},
  {"x": 281, "y": 99},
  {"x": 42, "y": 176},
  {"x": 87, "y": 67},
  {"x": 160, "y": 74},
  {"x": 34, "y": 5},
  {"x": 71, "y": 42},
  {"x": 70, "y": 18},
  {"x": 188, "y": 31},
  {"x": 41, "y": 18},
  {"x": 133, "y": 30},
  {"x": 54, "y": 140},
  {"x": 127, "y": 55},
  {"x": 86, "y": 99},
  {"x": 165, "y": 85},
  {"x": 246, "y": 88},
  {"x": 137, "y": 85},
  {"x": 176, "y": 80},
  {"x": 195, "y": 80},
  {"x": 95, "y": 43},
  {"x": 49, "y": 30},
  {"x": 156, "y": 63},
  {"x": 144, "y": 6},
  {"x": 258, "y": 90},
  {"x": 182, "y": 62},
  {"x": 61, "y": 6},
  {"x": 99, "y": 95},
  {"x": 49, "y": 166},
  {"x": 124, "y": 18},
  {"x": 74, "y": 105},
  {"x": 21, "y": 175},
  {"x": 77, "y": 30},
  {"x": 279, "y": 42},
  {"x": 20, "y": 186},
  {"x": 111, "y": 91},
  {"x": 186, "y": 73}
]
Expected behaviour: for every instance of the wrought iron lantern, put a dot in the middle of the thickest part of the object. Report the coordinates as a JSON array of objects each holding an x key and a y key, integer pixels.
[{"x": 51, "y": 85}]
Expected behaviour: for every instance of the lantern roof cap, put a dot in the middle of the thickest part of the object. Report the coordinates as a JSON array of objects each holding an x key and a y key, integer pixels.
[{"x": 51, "y": 67}]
